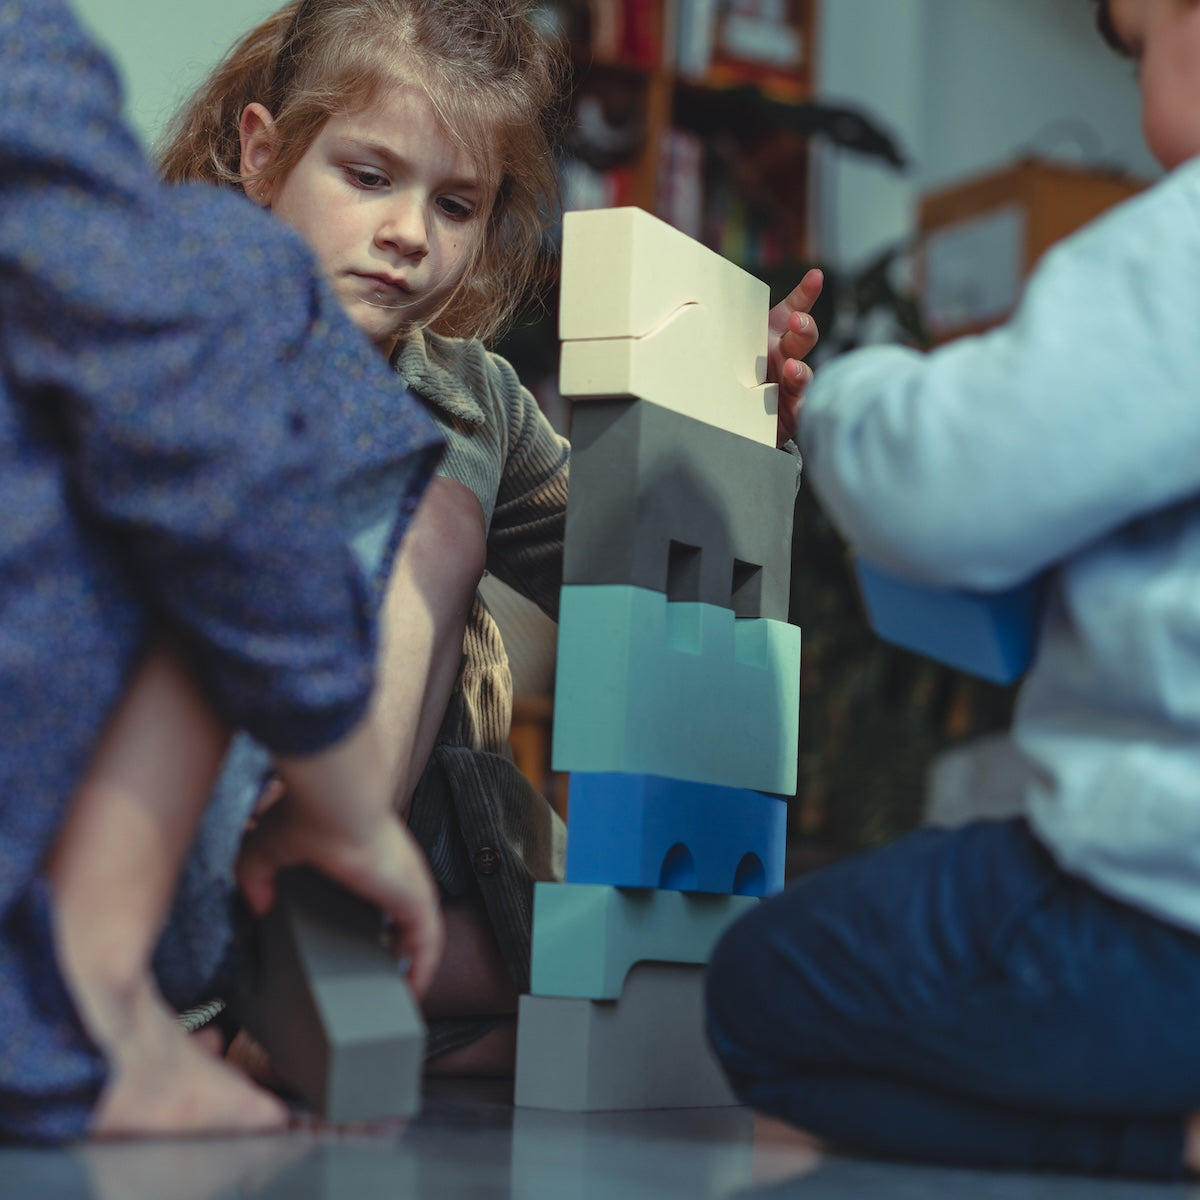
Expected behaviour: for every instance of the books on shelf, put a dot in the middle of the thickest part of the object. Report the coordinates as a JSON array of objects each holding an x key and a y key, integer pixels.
[{"x": 742, "y": 41}]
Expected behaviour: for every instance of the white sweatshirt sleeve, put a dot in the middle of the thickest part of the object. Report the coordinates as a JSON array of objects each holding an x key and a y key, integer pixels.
[{"x": 985, "y": 461}]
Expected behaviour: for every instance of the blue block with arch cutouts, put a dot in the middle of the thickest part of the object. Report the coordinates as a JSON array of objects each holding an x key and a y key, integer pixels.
[{"x": 648, "y": 831}]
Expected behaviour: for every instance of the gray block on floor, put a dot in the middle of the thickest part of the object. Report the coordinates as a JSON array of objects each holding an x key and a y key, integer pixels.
[
  {"x": 646, "y": 1050},
  {"x": 330, "y": 1007},
  {"x": 674, "y": 505}
]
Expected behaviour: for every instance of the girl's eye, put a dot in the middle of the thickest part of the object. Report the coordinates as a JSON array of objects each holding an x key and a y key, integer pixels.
[
  {"x": 456, "y": 210},
  {"x": 364, "y": 177}
]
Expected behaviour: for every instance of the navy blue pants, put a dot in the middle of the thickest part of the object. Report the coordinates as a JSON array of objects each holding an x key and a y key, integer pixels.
[{"x": 955, "y": 997}]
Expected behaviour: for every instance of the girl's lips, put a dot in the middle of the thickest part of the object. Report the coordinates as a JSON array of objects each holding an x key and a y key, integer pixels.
[{"x": 384, "y": 281}]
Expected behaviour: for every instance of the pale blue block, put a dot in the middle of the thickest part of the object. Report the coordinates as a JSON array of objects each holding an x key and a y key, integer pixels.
[
  {"x": 586, "y": 936},
  {"x": 644, "y": 831},
  {"x": 682, "y": 690},
  {"x": 991, "y": 635}
]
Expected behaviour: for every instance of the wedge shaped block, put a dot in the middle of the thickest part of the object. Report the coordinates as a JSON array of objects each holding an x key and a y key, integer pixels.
[
  {"x": 663, "y": 502},
  {"x": 991, "y": 635},
  {"x": 625, "y": 271},
  {"x": 647, "y": 311},
  {"x": 682, "y": 690},
  {"x": 330, "y": 1007},
  {"x": 646, "y": 1050},
  {"x": 586, "y": 936},
  {"x": 644, "y": 831}
]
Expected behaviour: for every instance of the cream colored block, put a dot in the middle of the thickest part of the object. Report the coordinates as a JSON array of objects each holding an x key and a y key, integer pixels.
[
  {"x": 647, "y": 311},
  {"x": 681, "y": 366}
]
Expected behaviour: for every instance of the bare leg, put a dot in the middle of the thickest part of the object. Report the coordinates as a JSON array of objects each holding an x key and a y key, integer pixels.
[
  {"x": 474, "y": 982},
  {"x": 425, "y": 611},
  {"x": 425, "y": 614},
  {"x": 1191, "y": 1145},
  {"x": 112, "y": 871},
  {"x": 492, "y": 1056}
]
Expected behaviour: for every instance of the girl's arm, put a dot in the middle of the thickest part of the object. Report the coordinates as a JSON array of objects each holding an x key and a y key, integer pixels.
[{"x": 428, "y": 600}]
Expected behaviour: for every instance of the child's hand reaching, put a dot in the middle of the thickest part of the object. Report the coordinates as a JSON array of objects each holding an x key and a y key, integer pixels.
[
  {"x": 791, "y": 334},
  {"x": 337, "y": 817}
]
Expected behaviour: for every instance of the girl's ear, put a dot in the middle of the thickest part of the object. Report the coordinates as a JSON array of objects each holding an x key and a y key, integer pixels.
[{"x": 256, "y": 130}]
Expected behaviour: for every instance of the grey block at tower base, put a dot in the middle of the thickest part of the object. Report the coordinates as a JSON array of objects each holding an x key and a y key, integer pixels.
[
  {"x": 646, "y": 1050},
  {"x": 674, "y": 505},
  {"x": 330, "y": 1007}
]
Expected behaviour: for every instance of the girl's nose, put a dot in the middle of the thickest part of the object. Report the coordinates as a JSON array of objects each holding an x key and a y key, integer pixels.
[{"x": 404, "y": 229}]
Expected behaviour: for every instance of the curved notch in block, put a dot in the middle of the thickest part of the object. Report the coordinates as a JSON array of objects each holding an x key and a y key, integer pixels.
[
  {"x": 679, "y": 690},
  {"x": 644, "y": 831},
  {"x": 587, "y": 936},
  {"x": 330, "y": 1007},
  {"x": 663, "y": 502},
  {"x": 646, "y": 1050}
]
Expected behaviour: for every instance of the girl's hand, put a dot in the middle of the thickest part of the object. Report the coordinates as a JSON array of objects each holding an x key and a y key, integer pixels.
[{"x": 791, "y": 334}]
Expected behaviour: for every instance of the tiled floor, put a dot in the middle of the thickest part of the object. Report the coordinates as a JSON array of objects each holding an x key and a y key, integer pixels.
[{"x": 469, "y": 1142}]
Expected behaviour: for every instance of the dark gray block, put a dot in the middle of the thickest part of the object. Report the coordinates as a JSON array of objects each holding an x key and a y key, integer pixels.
[
  {"x": 330, "y": 1006},
  {"x": 646, "y": 1050},
  {"x": 674, "y": 505}
]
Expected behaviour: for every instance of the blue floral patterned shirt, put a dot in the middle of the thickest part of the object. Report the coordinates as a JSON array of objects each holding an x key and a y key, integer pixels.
[{"x": 181, "y": 404}]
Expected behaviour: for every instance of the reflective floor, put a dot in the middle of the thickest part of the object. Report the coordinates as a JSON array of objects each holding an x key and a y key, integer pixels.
[{"x": 470, "y": 1142}]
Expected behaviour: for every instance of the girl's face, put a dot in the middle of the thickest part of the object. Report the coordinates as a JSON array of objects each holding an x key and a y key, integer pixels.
[
  {"x": 1164, "y": 37},
  {"x": 390, "y": 204}
]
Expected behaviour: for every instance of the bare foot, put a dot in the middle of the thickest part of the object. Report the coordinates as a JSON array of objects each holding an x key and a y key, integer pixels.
[
  {"x": 248, "y": 1056},
  {"x": 162, "y": 1084},
  {"x": 1191, "y": 1144}
]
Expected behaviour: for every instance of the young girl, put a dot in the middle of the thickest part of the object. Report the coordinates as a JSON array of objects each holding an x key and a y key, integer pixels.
[{"x": 409, "y": 142}]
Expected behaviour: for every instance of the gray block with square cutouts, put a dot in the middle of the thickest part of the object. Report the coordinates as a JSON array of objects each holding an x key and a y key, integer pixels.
[
  {"x": 674, "y": 505},
  {"x": 647, "y": 1049},
  {"x": 330, "y": 1007}
]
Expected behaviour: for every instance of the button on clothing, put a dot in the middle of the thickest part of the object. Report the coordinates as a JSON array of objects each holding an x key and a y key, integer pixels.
[
  {"x": 171, "y": 451},
  {"x": 487, "y": 860}
]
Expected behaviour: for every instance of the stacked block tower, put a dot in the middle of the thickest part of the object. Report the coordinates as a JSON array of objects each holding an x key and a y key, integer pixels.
[{"x": 678, "y": 678}]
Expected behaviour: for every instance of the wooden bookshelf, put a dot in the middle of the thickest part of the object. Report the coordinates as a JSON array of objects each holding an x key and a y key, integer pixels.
[
  {"x": 980, "y": 238},
  {"x": 695, "y": 87}
]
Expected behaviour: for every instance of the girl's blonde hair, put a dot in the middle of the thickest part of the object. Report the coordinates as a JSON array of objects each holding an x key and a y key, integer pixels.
[{"x": 495, "y": 81}]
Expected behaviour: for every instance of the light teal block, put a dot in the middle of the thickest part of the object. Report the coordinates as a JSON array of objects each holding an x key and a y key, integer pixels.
[
  {"x": 586, "y": 936},
  {"x": 683, "y": 690}
]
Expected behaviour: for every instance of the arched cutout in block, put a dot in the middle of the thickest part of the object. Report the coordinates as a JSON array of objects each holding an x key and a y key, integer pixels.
[
  {"x": 751, "y": 877},
  {"x": 623, "y": 830},
  {"x": 679, "y": 870}
]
